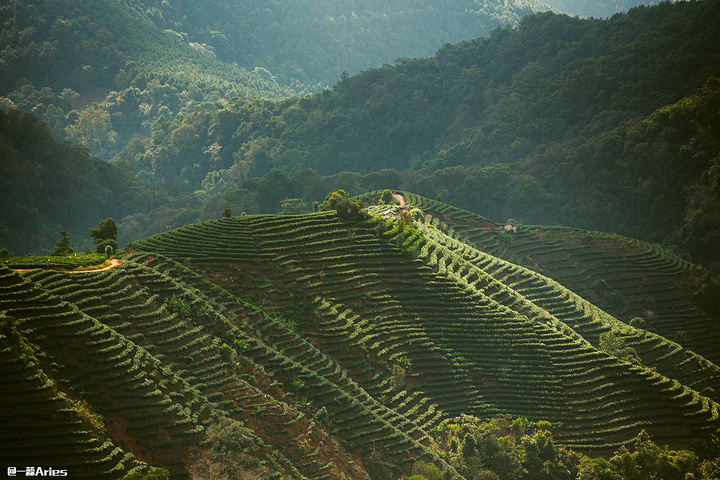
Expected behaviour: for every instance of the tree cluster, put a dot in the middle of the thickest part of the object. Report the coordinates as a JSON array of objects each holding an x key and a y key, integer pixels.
[
  {"x": 101, "y": 72},
  {"x": 518, "y": 449}
]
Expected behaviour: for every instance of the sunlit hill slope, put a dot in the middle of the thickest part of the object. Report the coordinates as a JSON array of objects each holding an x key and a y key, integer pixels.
[{"x": 327, "y": 341}]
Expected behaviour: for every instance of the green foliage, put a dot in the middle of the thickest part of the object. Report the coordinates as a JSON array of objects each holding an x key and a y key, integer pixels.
[
  {"x": 148, "y": 473},
  {"x": 387, "y": 197},
  {"x": 494, "y": 450},
  {"x": 445, "y": 113},
  {"x": 380, "y": 468},
  {"x": 611, "y": 344},
  {"x": 227, "y": 353},
  {"x": 316, "y": 43},
  {"x": 8, "y": 328},
  {"x": 227, "y": 213},
  {"x": 505, "y": 144},
  {"x": 62, "y": 247},
  {"x": 105, "y": 235},
  {"x": 709, "y": 293},
  {"x": 397, "y": 378},
  {"x": 67, "y": 262},
  {"x": 340, "y": 202},
  {"x": 403, "y": 361},
  {"x": 4, "y": 253},
  {"x": 406, "y": 219},
  {"x": 84, "y": 411},
  {"x": 141, "y": 70},
  {"x": 93, "y": 130},
  {"x": 231, "y": 435},
  {"x": 427, "y": 471},
  {"x": 50, "y": 186}
]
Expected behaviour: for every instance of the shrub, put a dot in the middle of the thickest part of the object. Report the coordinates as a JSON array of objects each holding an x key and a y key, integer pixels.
[
  {"x": 151, "y": 473},
  {"x": 613, "y": 345},
  {"x": 340, "y": 202},
  {"x": 62, "y": 247},
  {"x": 379, "y": 468},
  {"x": 226, "y": 352},
  {"x": 397, "y": 380},
  {"x": 4, "y": 253},
  {"x": 428, "y": 471},
  {"x": 85, "y": 412},
  {"x": 386, "y": 197},
  {"x": 637, "y": 322}
]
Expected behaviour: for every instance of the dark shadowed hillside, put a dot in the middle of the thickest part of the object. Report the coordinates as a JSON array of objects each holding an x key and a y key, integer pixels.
[{"x": 48, "y": 187}]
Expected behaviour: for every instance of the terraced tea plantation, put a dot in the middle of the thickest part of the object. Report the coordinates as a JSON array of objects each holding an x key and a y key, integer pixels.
[{"x": 313, "y": 347}]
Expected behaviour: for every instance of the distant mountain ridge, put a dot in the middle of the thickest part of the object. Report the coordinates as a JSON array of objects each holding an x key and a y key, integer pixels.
[
  {"x": 312, "y": 42},
  {"x": 600, "y": 8}
]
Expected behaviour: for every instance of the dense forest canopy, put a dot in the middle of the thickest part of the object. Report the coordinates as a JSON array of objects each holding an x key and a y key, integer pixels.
[
  {"x": 491, "y": 100},
  {"x": 99, "y": 72},
  {"x": 139, "y": 60},
  {"x": 511, "y": 119},
  {"x": 558, "y": 120},
  {"x": 599, "y": 8},
  {"x": 311, "y": 42}
]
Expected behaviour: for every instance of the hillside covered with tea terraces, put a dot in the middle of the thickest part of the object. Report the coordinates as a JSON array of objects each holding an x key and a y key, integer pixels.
[{"x": 345, "y": 344}]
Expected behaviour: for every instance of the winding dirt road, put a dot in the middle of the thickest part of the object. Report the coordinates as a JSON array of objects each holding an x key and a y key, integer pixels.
[
  {"x": 401, "y": 199},
  {"x": 113, "y": 263}
]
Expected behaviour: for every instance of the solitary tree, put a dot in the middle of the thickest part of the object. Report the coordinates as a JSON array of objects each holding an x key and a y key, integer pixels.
[
  {"x": 62, "y": 247},
  {"x": 340, "y": 202},
  {"x": 105, "y": 234}
]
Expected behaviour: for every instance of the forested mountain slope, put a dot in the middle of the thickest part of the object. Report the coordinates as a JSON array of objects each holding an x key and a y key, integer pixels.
[
  {"x": 142, "y": 59},
  {"x": 312, "y": 42},
  {"x": 58, "y": 58},
  {"x": 370, "y": 341},
  {"x": 487, "y": 101},
  {"x": 48, "y": 187},
  {"x": 597, "y": 9},
  {"x": 594, "y": 124}
]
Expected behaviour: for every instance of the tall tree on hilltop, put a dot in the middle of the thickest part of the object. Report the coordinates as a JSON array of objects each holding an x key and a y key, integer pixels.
[{"x": 105, "y": 235}]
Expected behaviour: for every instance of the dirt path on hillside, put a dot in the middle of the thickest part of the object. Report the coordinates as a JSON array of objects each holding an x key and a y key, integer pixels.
[
  {"x": 401, "y": 199},
  {"x": 113, "y": 264}
]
